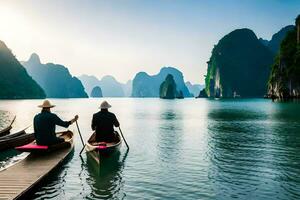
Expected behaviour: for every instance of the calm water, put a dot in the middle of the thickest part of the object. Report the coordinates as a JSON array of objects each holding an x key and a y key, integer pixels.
[{"x": 181, "y": 149}]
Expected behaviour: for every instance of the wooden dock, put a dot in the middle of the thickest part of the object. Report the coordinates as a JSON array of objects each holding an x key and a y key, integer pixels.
[{"x": 17, "y": 180}]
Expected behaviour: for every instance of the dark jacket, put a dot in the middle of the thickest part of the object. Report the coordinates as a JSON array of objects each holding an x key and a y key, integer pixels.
[
  {"x": 103, "y": 122},
  {"x": 44, "y": 128}
]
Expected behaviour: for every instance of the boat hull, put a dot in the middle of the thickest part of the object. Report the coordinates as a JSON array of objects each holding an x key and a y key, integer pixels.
[
  {"x": 16, "y": 139},
  {"x": 5, "y": 131},
  {"x": 32, "y": 170},
  {"x": 40, "y": 149},
  {"x": 98, "y": 151}
]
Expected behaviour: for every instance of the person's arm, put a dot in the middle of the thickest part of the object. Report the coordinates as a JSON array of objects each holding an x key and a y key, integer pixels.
[
  {"x": 62, "y": 123},
  {"x": 116, "y": 122},
  {"x": 93, "y": 123},
  {"x": 59, "y": 122}
]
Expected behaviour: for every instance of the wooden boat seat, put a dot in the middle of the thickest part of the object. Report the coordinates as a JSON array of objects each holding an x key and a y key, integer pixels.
[
  {"x": 32, "y": 146},
  {"x": 103, "y": 144},
  {"x": 101, "y": 147}
]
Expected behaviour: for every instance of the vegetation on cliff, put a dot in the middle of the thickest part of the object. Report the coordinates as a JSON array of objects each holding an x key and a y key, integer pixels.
[
  {"x": 202, "y": 94},
  {"x": 15, "y": 83},
  {"x": 239, "y": 64},
  {"x": 284, "y": 81}
]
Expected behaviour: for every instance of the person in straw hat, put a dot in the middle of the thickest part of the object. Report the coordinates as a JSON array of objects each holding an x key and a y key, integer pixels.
[
  {"x": 103, "y": 123},
  {"x": 44, "y": 125}
]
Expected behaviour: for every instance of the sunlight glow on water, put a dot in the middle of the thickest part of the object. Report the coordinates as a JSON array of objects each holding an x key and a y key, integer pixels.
[{"x": 181, "y": 149}]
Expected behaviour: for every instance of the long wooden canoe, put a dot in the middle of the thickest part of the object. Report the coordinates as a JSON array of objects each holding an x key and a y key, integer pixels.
[
  {"x": 18, "y": 180},
  {"x": 16, "y": 139},
  {"x": 6, "y": 130},
  {"x": 96, "y": 149},
  {"x": 12, "y": 135}
]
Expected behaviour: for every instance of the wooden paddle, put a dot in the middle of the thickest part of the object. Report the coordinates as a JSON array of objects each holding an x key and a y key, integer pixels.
[
  {"x": 123, "y": 137},
  {"x": 80, "y": 137},
  {"x": 13, "y": 120}
]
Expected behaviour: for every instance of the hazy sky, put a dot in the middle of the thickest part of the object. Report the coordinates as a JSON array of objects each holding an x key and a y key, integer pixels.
[{"x": 124, "y": 37}]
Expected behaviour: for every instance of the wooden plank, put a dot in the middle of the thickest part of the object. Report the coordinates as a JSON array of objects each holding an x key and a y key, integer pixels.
[{"x": 18, "y": 179}]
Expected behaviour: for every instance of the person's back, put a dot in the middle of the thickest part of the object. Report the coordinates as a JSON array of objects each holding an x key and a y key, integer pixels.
[
  {"x": 103, "y": 123},
  {"x": 44, "y": 125}
]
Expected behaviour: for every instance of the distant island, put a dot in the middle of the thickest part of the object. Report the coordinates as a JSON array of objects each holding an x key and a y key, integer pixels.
[
  {"x": 194, "y": 88},
  {"x": 15, "y": 83},
  {"x": 55, "y": 79},
  {"x": 144, "y": 85},
  {"x": 168, "y": 89},
  {"x": 109, "y": 85},
  {"x": 284, "y": 81},
  {"x": 96, "y": 92}
]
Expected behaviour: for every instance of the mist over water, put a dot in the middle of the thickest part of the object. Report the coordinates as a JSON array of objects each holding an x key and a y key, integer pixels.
[{"x": 179, "y": 149}]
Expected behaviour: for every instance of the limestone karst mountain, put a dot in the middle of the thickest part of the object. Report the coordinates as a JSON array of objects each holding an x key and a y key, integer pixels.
[
  {"x": 239, "y": 65},
  {"x": 284, "y": 79},
  {"x": 15, "y": 83},
  {"x": 109, "y": 85},
  {"x": 96, "y": 92},
  {"x": 145, "y": 85},
  {"x": 55, "y": 79}
]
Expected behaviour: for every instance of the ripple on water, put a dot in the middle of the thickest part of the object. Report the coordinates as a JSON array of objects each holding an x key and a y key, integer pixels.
[
  {"x": 250, "y": 161},
  {"x": 187, "y": 149}
]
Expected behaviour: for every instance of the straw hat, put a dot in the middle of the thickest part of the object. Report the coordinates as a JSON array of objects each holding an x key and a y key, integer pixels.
[
  {"x": 105, "y": 105},
  {"x": 46, "y": 104}
]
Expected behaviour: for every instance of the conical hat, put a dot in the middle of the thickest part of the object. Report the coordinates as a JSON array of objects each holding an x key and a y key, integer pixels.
[
  {"x": 46, "y": 104},
  {"x": 105, "y": 105}
]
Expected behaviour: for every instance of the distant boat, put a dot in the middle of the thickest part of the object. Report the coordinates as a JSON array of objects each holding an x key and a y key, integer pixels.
[{"x": 236, "y": 95}]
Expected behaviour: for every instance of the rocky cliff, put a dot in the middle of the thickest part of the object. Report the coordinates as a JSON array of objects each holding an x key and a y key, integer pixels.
[
  {"x": 96, "y": 92},
  {"x": 194, "y": 88},
  {"x": 145, "y": 85},
  {"x": 284, "y": 80},
  {"x": 274, "y": 43},
  {"x": 109, "y": 85},
  {"x": 15, "y": 83},
  {"x": 239, "y": 65},
  {"x": 55, "y": 79},
  {"x": 167, "y": 88}
]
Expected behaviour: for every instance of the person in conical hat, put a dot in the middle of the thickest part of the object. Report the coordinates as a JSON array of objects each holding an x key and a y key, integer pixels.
[
  {"x": 44, "y": 125},
  {"x": 103, "y": 123}
]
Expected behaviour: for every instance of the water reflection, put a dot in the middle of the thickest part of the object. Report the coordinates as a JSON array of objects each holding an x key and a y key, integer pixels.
[
  {"x": 105, "y": 179},
  {"x": 8, "y": 157},
  {"x": 250, "y": 158},
  {"x": 170, "y": 133},
  {"x": 182, "y": 149},
  {"x": 285, "y": 148},
  {"x": 50, "y": 187}
]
